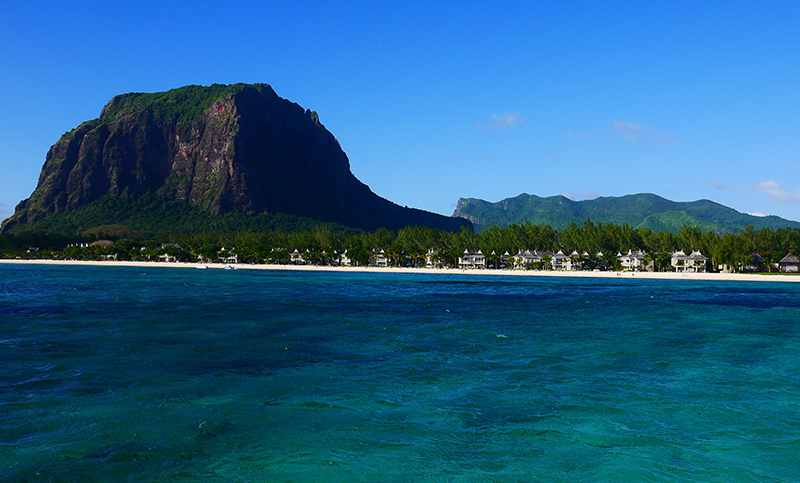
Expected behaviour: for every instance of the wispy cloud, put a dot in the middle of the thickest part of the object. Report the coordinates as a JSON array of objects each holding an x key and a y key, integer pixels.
[
  {"x": 631, "y": 131},
  {"x": 585, "y": 195},
  {"x": 577, "y": 134},
  {"x": 509, "y": 120},
  {"x": 776, "y": 193},
  {"x": 639, "y": 133},
  {"x": 760, "y": 215},
  {"x": 716, "y": 184}
]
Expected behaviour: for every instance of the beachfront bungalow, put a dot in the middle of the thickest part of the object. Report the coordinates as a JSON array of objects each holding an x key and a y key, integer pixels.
[
  {"x": 526, "y": 258},
  {"x": 633, "y": 260},
  {"x": 696, "y": 262},
  {"x": 297, "y": 258},
  {"x": 679, "y": 260},
  {"x": 789, "y": 264},
  {"x": 559, "y": 261},
  {"x": 600, "y": 261},
  {"x": 432, "y": 259},
  {"x": 529, "y": 258},
  {"x": 226, "y": 255},
  {"x": 472, "y": 260},
  {"x": 342, "y": 259},
  {"x": 576, "y": 260},
  {"x": 379, "y": 258},
  {"x": 755, "y": 265}
]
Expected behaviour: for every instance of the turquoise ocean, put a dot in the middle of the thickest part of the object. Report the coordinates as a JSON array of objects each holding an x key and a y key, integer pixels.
[{"x": 156, "y": 374}]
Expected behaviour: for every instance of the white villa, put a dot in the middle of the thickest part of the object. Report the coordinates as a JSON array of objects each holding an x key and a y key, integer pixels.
[
  {"x": 380, "y": 258},
  {"x": 432, "y": 259},
  {"x": 696, "y": 262},
  {"x": 528, "y": 257},
  {"x": 344, "y": 260},
  {"x": 561, "y": 261},
  {"x": 297, "y": 257},
  {"x": 633, "y": 260},
  {"x": 472, "y": 260}
]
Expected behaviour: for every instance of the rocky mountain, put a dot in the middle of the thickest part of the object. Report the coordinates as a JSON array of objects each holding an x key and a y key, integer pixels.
[
  {"x": 189, "y": 157},
  {"x": 643, "y": 210}
]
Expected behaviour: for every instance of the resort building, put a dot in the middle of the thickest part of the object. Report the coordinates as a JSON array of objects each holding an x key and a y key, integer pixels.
[
  {"x": 432, "y": 259},
  {"x": 696, "y": 262},
  {"x": 227, "y": 256},
  {"x": 789, "y": 264},
  {"x": 528, "y": 258},
  {"x": 559, "y": 261},
  {"x": 601, "y": 263},
  {"x": 633, "y": 260},
  {"x": 756, "y": 264},
  {"x": 297, "y": 257},
  {"x": 472, "y": 260},
  {"x": 343, "y": 259},
  {"x": 380, "y": 258}
]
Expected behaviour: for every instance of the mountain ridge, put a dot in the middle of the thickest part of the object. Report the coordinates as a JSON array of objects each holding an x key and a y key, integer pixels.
[
  {"x": 221, "y": 149},
  {"x": 642, "y": 210}
]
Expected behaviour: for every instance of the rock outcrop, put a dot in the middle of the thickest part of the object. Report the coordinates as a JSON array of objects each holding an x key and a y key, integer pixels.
[{"x": 220, "y": 148}]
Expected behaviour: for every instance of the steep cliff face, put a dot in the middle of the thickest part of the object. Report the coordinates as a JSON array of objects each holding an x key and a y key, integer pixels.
[{"x": 220, "y": 148}]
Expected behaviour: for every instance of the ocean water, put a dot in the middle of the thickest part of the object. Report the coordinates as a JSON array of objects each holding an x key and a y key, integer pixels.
[{"x": 157, "y": 374}]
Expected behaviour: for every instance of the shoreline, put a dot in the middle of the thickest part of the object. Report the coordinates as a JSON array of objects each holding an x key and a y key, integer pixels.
[{"x": 732, "y": 277}]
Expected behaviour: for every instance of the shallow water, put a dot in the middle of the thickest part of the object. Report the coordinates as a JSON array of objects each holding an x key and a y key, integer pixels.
[{"x": 132, "y": 374}]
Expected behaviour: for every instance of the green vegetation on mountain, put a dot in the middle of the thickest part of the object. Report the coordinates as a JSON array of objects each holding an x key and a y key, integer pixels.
[
  {"x": 199, "y": 158},
  {"x": 151, "y": 216},
  {"x": 644, "y": 210}
]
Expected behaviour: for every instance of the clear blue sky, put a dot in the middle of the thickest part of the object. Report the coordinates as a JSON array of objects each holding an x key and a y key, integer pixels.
[{"x": 688, "y": 100}]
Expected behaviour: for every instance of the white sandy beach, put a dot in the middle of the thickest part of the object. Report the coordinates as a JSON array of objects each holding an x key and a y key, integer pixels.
[{"x": 739, "y": 277}]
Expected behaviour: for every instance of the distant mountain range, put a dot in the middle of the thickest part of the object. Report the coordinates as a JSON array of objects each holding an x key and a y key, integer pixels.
[
  {"x": 643, "y": 210},
  {"x": 193, "y": 159}
]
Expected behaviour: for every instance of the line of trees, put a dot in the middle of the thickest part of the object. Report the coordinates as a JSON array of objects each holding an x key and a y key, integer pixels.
[{"x": 411, "y": 244}]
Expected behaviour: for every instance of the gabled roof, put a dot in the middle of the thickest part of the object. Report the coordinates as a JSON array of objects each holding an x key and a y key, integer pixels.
[{"x": 790, "y": 259}]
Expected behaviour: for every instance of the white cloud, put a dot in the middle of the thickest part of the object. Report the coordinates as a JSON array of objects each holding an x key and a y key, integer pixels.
[
  {"x": 760, "y": 215},
  {"x": 586, "y": 195},
  {"x": 504, "y": 121},
  {"x": 631, "y": 131},
  {"x": 776, "y": 193},
  {"x": 716, "y": 184}
]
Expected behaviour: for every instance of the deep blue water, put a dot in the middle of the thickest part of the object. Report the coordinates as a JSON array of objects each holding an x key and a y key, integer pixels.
[{"x": 156, "y": 374}]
